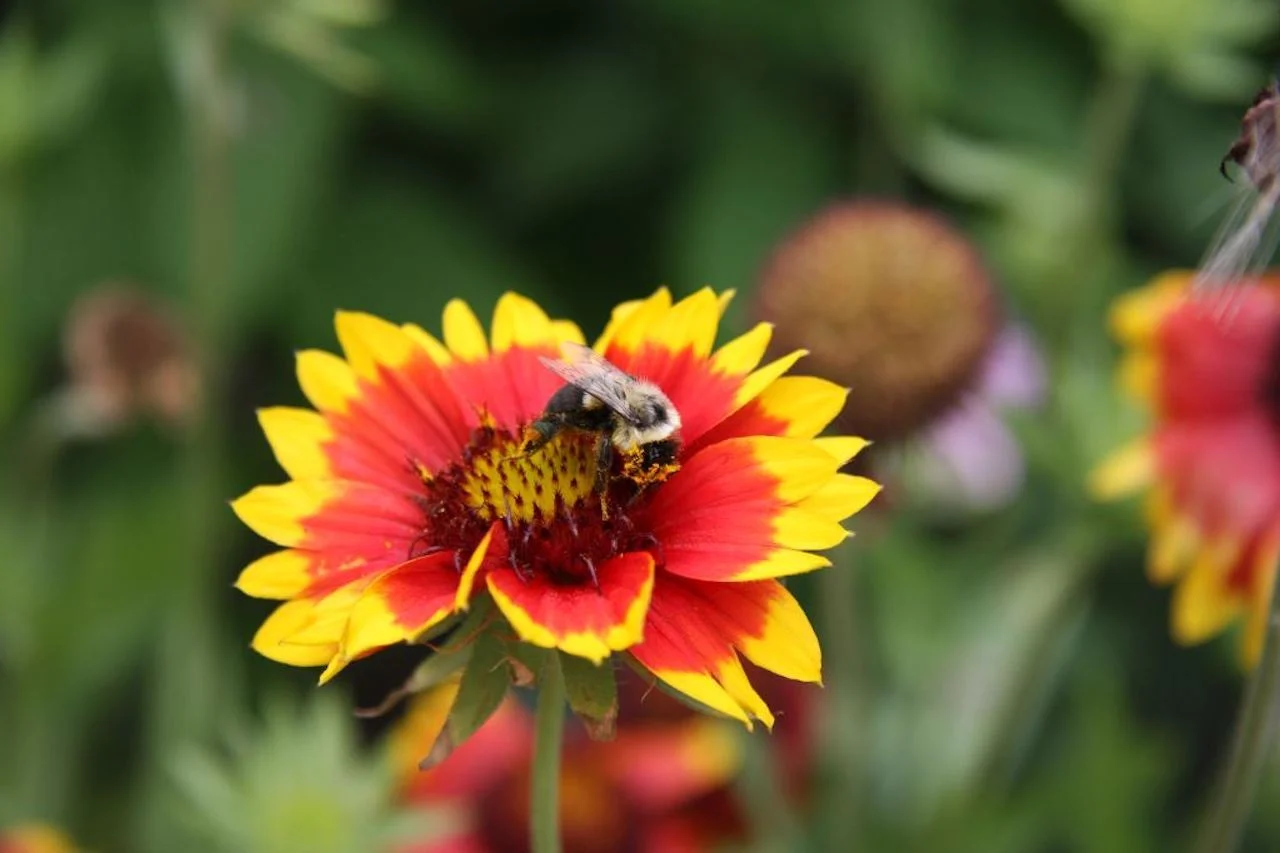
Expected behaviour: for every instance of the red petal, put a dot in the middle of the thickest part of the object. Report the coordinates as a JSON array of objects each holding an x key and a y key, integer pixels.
[
  {"x": 715, "y": 517},
  {"x": 512, "y": 386},
  {"x": 409, "y": 419},
  {"x": 1214, "y": 361},
  {"x": 362, "y": 532},
  {"x": 579, "y": 618}
]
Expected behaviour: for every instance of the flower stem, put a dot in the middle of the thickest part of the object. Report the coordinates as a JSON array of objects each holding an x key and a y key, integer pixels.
[
  {"x": 1252, "y": 744},
  {"x": 544, "y": 804},
  {"x": 843, "y": 711}
]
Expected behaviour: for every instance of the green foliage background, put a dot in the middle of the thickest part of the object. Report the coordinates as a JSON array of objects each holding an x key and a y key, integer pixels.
[{"x": 1013, "y": 688}]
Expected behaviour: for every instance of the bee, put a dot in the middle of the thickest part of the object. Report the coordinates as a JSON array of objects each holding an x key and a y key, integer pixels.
[
  {"x": 1243, "y": 242},
  {"x": 628, "y": 416}
]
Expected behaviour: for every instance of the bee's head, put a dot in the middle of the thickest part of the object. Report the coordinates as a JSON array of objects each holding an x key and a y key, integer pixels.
[
  {"x": 652, "y": 409},
  {"x": 651, "y": 415}
]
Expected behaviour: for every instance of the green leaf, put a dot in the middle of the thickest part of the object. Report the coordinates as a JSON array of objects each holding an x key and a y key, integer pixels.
[
  {"x": 462, "y": 636},
  {"x": 766, "y": 163},
  {"x": 430, "y": 673},
  {"x": 484, "y": 686},
  {"x": 593, "y": 694}
]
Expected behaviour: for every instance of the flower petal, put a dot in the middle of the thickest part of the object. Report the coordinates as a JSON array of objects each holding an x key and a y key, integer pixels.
[
  {"x": 297, "y": 437},
  {"x": 277, "y": 512},
  {"x": 685, "y": 649},
  {"x": 405, "y": 601},
  {"x": 1265, "y": 562},
  {"x": 520, "y": 322},
  {"x": 1125, "y": 471},
  {"x": 271, "y": 640},
  {"x": 741, "y": 355},
  {"x": 1137, "y": 315},
  {"x": 578, "y": 618},
  {"x": 1203, "y": 604},
  {"x": 1175, "y": 538},
  {"x": 795, "y": 406},
  {"x": 630, "y": 321},
  {"x": 372, "y": 344},
  {"x": 327, "y": 380},
  {"x": 841, "y": 497},
  {"x": 661, "y": 767},
  {"x": 282, "y": 574},
  {"x": 463, "y": 334},
  {"x": 726, "y": 515}
]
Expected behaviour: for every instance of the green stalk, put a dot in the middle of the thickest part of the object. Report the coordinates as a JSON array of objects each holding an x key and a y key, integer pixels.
[
  {"x": 843, "y": 713},
  {"x": 544, "y": 803},
  {"x": 191, "y": 681},
  {"x": 1251, "y": 746}
]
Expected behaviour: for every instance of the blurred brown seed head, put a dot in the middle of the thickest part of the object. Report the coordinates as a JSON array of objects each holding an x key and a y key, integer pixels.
[
  {"x": 890, "y": 301},
  {"x": 127, "y": 356}
]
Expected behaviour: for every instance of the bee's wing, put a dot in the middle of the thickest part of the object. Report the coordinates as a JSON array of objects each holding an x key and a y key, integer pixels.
[
  {"x": 1245, "y": 244},
  {"x": 584, "y": 368}
]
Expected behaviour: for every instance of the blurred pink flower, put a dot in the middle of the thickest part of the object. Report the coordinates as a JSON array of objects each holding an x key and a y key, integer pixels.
[{"x": 968, "y": 459}]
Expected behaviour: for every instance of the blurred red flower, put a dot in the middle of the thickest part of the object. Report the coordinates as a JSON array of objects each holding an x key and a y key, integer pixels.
[
  {"x": 662, "y": 785},
  {"x": 1211, "y": 461}
]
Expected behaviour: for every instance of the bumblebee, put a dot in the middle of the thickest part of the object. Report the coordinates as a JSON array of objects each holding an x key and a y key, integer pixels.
[{"x": 628, "y": 416}]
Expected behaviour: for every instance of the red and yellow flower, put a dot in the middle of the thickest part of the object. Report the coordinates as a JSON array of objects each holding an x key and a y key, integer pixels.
[
  {"x": 410, "y": 496},
  {"x": 35, "y": 838},
  {"x": 1206, "y": 370},
  {"x": 662, "y": 784}
]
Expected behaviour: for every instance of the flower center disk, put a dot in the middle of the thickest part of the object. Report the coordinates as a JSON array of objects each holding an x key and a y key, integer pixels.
[{"x": 552, "y": 522}]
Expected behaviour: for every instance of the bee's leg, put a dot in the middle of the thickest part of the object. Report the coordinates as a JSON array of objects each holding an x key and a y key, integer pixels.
[
  {"x": 604, "y": 469},
  {"x": 538, "y": 433},
  {"x": 641, "y": 488},
  {"x": 604, "y": 462}
]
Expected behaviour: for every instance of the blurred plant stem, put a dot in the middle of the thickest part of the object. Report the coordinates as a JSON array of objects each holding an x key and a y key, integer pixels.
[
  {"x": 29, "y": 703},
  {"x": 188, "y": 688},
  {"x": 1251, "y": 745},
  {"x": 840, "y": 747},
  {"x": 1108, "y": 127},
  {"x": 544, "y": 801},
  {"x": 762, "y": 790},
  {"x": 10, "y": 281}
]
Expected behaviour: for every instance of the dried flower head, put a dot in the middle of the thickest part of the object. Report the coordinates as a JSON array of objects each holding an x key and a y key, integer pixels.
[
  {"x": 127, "y": 356},
  {"x": 888, "y": 300}
]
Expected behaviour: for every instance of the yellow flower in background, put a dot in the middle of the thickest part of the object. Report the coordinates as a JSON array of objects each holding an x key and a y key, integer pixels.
[
  {"x": 1210, "y": 464},
  {"x": 413, "y": 494},
  {"x": 35, "y": 838}
]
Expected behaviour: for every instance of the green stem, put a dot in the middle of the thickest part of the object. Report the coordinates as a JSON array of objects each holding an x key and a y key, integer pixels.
[
  {"x": 1252, "y": 744},
  {"x": 842, "y": 709},
  {"x": 762, "y": 791},
  {"x": 544, "y": 804},
  {"x": 1108, "y": 127},
  {"x": 192, "y": 682}
]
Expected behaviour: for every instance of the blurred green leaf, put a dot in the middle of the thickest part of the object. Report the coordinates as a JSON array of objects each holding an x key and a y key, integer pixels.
[
  {"x": 763, "y": 164},
  {"x": 295, "y": 782},
  {"x": 399, "y": 249},
  {"x": 585, "y": 124}
]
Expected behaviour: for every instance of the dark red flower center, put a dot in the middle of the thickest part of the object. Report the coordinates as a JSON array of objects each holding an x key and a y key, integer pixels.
[{"x": 552, "y": 521}]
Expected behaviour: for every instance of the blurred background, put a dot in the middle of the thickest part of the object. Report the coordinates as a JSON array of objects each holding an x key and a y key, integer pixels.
[{"x": 190, "y": 188}]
